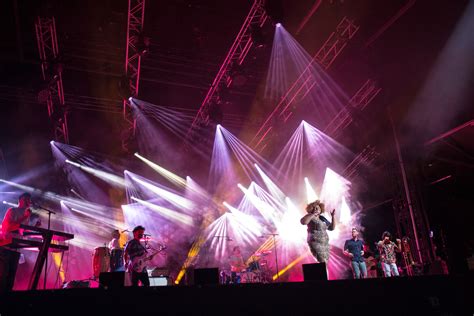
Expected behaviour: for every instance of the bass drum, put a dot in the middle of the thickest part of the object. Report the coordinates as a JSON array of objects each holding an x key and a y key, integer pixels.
[{"x": 100, "y": 261}]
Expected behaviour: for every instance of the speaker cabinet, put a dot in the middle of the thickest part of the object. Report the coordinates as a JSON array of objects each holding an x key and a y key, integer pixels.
[
  {"x": 206, "y": 276},
  {"x": 112, "y": 280},
  {"x": 315, "y": 271}
]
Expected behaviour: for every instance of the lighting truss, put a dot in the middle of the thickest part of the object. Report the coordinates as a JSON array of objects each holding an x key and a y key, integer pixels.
[
  {"x": 365, "y": 157},
  {"x": 135, "y": 21},
  {"x": 359, "y": 101},
  {"x": 236, "y": 55},
  {"x": 336, "y": 42},
  {"x": 52, "y": 76},
  {"x": 325, "y": 56}
]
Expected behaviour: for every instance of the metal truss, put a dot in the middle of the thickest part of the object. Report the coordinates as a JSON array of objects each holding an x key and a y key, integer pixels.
[
  {"x": 51, "y": 70},
  {"x": 325, "y": 56},
  {"x": 358, "y": 102},
  {"x": 411, "y": 220},
  {"x": 336, "y": 42},
  {"x": 364, "y": 158},
  {"x": 409, "y": 217},
  {"x": 135, "y": 22},
  {"x": 236, "y": 55}
]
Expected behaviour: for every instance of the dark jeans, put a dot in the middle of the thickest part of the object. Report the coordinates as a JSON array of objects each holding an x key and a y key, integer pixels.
[
  {"x": 140, "y": 276},
  {"x": 116, "y": 260},
  {"x": 8, "y": 267}
]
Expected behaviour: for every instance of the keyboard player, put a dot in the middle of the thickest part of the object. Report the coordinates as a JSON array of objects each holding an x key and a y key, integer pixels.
[
  {"x": 14, "y": 217},
  {"x": 18, "y": 215}
]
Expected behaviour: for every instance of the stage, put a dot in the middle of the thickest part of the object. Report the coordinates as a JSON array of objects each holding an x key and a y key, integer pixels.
[
  {"x": 222, "y": 145},
  {"x": 427, "y": 295}
]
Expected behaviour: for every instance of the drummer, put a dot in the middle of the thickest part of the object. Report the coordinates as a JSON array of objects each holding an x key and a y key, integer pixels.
[
  {"x": 116, "y": 253},
  {"x": 237, "y": 264}
]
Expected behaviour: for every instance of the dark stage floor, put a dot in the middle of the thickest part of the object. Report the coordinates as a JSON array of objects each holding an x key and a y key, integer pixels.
[{"x": 431, "y": 295}]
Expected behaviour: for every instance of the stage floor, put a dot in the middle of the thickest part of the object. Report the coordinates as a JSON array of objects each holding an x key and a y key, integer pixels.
[{"x": 427, "y": 295}]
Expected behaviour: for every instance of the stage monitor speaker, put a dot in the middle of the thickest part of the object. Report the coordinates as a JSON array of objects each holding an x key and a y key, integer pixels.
[
  {"x": 206, "y": 276},
  {"x": 76, "y": 284},
  {"x": 112, "y": 280},
  {"x": 315, "y": 271},
  {"x": 160, "y": 281}
]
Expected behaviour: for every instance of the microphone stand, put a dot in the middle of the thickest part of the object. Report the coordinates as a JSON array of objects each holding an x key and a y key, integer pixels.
[
  {"x": 276, "y": 255},
  {"x": 218, "y": 237},
  {"x": 49, "y": 227},
  {"x": 221, "y": 268}
]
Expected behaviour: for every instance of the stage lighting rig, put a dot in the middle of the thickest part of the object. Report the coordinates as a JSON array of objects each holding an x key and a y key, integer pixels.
[{"x": 142, "y": 44}]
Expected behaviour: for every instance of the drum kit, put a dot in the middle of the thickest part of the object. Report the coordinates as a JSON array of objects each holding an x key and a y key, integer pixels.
[{"x": 257, "y": 271}]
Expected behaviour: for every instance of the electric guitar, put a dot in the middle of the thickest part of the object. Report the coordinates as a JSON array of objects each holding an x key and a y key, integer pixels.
[{"x": 137, "y": 264}]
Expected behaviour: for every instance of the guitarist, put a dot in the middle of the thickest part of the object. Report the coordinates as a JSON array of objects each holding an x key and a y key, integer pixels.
[{"x": 134, "y": 249}]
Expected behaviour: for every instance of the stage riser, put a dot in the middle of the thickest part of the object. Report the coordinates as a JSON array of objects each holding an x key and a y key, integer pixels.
[{"x": 427, "y": 295}]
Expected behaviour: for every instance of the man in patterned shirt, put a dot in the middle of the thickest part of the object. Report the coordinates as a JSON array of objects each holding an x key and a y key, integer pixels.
[
  {"x": 387, "y": 249},
  {"x": 135, "y": 250}
]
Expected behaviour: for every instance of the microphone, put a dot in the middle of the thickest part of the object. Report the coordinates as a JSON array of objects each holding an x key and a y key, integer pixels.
[
  {"x": 37, "y": 206},
  {"x": 147, "y": 235}
]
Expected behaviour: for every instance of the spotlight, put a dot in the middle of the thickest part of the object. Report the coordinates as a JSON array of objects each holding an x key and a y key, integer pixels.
[
  {"x": 257, "y": 36},
  {"x": 216, "y": 114},
  {"x": 274, "y": 9},
  {"x": 125, "y": 88},
  {"x": 278, "y": 24},
  {"x": 237, "y": 71},
  {"x": 142, "y": 44}
]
